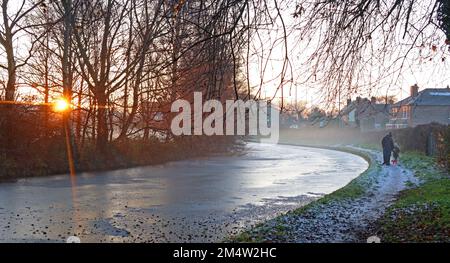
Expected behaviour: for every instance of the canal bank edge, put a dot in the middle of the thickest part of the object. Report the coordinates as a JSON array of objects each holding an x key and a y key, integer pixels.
[
  {"x": 415, "y": 209},
  {"x": 356, "y": 188}
]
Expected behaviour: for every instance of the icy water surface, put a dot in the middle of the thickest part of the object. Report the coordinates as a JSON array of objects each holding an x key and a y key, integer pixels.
[{"x": 201, "y": 200}]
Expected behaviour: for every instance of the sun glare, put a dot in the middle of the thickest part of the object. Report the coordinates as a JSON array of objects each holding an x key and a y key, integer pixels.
[{"x": 61, "y": 105}]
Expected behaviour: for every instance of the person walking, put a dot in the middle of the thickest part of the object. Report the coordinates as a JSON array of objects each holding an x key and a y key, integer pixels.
[{"x": 388, "y": 145}]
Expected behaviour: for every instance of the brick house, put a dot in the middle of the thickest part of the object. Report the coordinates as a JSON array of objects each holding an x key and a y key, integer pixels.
[
  {"x": 424, "y": 107},
  {"x": 365, "y": 114}
]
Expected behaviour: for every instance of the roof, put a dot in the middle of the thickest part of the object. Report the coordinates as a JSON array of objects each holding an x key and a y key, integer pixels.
[
  {"x": 428, "y": 97},
  {"x": 374, "y": 109},
  {"x": 366, "y": 108}
]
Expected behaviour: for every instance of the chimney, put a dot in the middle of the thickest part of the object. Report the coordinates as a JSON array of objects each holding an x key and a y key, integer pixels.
[
  {"x": 373, "y": 100},
  {"x": 414, "y": 91},
  {"x": 349, "y": 101}
]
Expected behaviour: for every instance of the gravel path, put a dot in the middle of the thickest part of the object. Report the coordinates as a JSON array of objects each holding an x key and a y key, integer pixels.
[{"x": 345, "y": 220}]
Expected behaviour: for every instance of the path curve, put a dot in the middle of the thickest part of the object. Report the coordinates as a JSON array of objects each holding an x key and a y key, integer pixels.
[{"x": 345, "y": 220}]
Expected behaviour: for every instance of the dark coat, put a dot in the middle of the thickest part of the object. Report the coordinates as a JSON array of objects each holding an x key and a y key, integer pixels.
[{"x": 387, "y": 143}]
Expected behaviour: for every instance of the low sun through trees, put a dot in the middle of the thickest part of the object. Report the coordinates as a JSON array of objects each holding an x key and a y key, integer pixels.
[{"x": 121, "y": 63}]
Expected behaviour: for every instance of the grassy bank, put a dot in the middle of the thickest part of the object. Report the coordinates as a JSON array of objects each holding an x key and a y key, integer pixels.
[
  {"x": 354, "y": 189},
  {"x": 420, "y": 214}
]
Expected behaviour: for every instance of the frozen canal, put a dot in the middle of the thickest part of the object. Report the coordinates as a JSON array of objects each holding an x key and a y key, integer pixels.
[{"x": 186, "y": 201}]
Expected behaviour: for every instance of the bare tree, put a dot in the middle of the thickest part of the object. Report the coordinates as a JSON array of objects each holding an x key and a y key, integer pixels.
[
  {"x": 11, "y": 29},
  {"x": 353, "y": 46},
  {"x": 96, "y": 26}
]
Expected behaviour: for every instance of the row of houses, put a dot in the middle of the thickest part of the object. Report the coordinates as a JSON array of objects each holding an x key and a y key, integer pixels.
[{"x": 424, "y": 107}]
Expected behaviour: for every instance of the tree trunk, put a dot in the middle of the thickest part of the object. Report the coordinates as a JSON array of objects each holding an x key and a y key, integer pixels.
[
  {"x": 102, "y": 123},
  {"x": 10, "y": 92}
]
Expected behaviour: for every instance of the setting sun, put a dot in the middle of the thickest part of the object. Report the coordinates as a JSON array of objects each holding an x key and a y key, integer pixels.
[
  {"x": 265, "y": 122},
  {"x": 61, "y": 105}
]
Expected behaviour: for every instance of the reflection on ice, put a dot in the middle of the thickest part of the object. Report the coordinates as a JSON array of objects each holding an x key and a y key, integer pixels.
[{"x": 192, "y": 200}]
